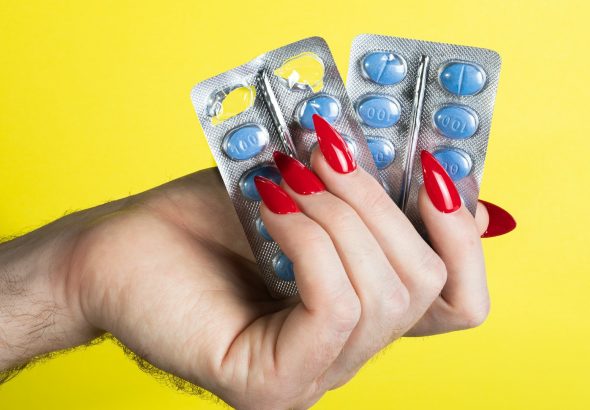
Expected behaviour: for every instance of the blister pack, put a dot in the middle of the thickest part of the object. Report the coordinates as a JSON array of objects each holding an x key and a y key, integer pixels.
[
  {"x": 267, "y": 105},
  {"x": 412, "y": 95}
]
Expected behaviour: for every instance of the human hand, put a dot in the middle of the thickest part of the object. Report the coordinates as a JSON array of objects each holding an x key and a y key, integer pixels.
[{"x": 170, "y": 274}]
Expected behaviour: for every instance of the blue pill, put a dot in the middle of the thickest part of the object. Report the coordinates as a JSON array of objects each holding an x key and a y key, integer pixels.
[
  {"x": 245, "y": 142},
  {"x": 324, "y": 105},
  {"x": 283, "y": 267},
  {"x": 247, "y": 181},
  {"x": 457, "y": 122},
  {"x": 378, "y": 111},
  {"x": 462, "y": 78},
  {"x": 382, "y": 151},
  {"x": 384, "y": 67},
  {"x": 262, "y": 230},
  {"x": 456, "y": 162}
]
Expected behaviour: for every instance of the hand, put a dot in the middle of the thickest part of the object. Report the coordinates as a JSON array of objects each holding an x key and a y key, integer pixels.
[{"x": 170, "y": 274}]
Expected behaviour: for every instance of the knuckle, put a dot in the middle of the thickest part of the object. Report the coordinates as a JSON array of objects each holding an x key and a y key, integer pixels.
[
  {"x": 433, "y": 272},
  {"x": 345, "y": 313},
  {"x": 375, "y": 199},
  {"x": 394, "y": 303},
  {"x": 342, "y": 216},
  {"x": 474, "y": 316}
]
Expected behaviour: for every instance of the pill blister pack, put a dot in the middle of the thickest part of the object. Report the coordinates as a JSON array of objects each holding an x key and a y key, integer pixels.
[
  {"x": 263, "y": 106},
  {"x": 412, "y": 95}
]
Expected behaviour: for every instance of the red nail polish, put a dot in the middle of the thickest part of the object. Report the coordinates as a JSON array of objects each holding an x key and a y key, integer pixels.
[
  {"x": 333, "y": 146},
  {"x": 501, "y": 221},
  {"x": 298, "y": 176},
  {"x": 277, "y": 200},
  {"x": 439, "y": 186}
]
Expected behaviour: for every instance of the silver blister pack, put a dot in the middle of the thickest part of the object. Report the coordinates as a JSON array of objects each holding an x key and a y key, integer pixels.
[
  {"x": 413, "y": 95},
  {"x": 263, "y": 106}
]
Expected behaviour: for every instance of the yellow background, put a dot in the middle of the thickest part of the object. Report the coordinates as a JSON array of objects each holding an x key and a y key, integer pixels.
[{"x": 94, "y": 105}]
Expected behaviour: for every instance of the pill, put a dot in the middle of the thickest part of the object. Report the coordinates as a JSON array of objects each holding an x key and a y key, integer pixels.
[
  {"x": 245, "y": 142},
  {"x": 283, "y": 267},
  {"x": 247, "y": 185},
  {"x": 456, "y": 162},
  {"x": 304, "y": 71},
  {"x": 262, "y": 230},
  {"x": 378, "y": 111},
  {"x": 462, "y": 78},
  {"x": 324, "y": 105},
  {"x": 229, "y": 102},
  {"x": 384, "y": 67},
  {"x": 382, "y": 151},
  {"x": 456, "y": 121}
]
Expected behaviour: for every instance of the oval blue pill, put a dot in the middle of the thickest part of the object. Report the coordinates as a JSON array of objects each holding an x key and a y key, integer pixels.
[
  {"x": 382, "y": 151},
  {"x": 456, "y": 121},
  {"x": 247, "y": 181},
  {"x": 378, "y": 111},
  {"x": 384, "y": 67},
  {"x": 462, "y": 78},
  {"x": 456, "y": 162},
  {"x": 262, "y": 230},
  {"x": 323, "y": 104},
  {"x": 245, "y": 142},
  {"x": 283, "y": 267}
]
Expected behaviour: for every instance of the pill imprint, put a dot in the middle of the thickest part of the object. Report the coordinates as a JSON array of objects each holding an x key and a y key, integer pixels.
[
  {"x": 378, "y": 111},
  {"x": 384, "y": 67},
  {"x": 283, "y": 267},
  {"x": 461, "y": 78},
  {"x": 455, "y": 161},
  {"x": 247, "y": 185},
  {"x": 245, "y": 141},
  {"x": 382, "y": 150},
  {"x": 456, "y": 121},
  {"x": 324, "y": 105}
]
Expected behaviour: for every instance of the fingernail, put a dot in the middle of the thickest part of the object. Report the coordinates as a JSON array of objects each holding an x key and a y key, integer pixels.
[
  {"x": 501, "y": 221},
  {"x": 277, "y": 200},
  {"x": 333, "y": 146},
  {"x": 301, "y": 179},
  {"x": 439, "y": 185}
]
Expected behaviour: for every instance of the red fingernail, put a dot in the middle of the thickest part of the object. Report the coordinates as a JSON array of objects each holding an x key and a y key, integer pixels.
[
  {"x": 439, "y": 186},
  {"x": 297, "y": 175},
  {"x": 333, "y": 146},
  {"x": 277, "y": 200},
  {"x": 501, "y": 221}
]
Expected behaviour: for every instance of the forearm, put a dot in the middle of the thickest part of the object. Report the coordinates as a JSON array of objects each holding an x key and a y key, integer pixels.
[{"x": 39, "y": 302}]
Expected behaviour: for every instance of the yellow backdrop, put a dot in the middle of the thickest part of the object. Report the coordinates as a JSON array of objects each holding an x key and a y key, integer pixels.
[{"x": 94, "y": 105}]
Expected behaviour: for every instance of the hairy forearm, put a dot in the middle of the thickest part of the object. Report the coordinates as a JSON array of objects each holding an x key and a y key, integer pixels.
[{"x": 39, "y": 306}]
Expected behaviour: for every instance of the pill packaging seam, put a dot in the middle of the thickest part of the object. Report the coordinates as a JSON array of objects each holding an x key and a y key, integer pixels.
[
  {"x": 290, "y": 100},
  {"x": 384, "y": 72}
]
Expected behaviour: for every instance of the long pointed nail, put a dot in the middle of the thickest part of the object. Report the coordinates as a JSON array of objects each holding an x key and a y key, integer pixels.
[
  {"x": 300, "y": 178},
  {"x": 439, "y": 185},
  {"x": 277, "y": 200},
  {"x": 501, "y": 222},
  {"x": 333, "y": 146}
]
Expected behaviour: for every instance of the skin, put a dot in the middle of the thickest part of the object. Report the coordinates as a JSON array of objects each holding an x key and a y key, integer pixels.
[{"x": 170, "y": 274}]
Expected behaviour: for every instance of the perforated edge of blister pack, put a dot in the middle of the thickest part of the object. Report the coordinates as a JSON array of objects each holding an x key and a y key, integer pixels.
[
  {"x": 435, "y": 97},
  {"x": 288, "y": 100}
]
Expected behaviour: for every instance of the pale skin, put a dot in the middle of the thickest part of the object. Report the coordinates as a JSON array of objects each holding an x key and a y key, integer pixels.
[{"x": 170, "y": 274}]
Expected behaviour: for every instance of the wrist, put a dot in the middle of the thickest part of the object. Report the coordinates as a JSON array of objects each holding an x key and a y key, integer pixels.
[{"x": 39, "y": 302}]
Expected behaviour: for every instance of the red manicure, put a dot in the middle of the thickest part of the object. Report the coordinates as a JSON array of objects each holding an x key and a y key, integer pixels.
[
  {"x": 333, "y": 146},
  {"x": 297, "y": 175},
  {"x": 277, "y": 200},
  {"x": 439, "y": 186},
  {"x": 501, "y": 221}
]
